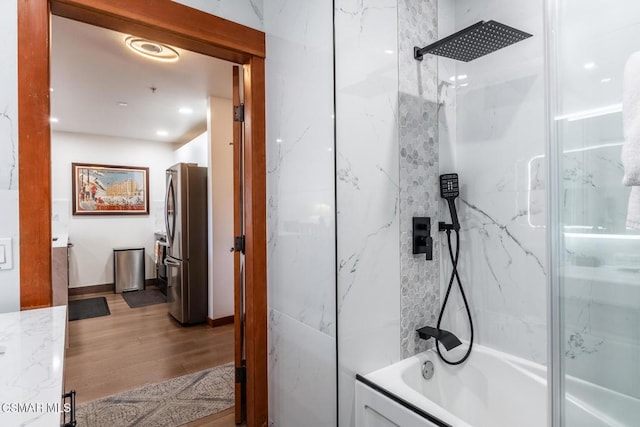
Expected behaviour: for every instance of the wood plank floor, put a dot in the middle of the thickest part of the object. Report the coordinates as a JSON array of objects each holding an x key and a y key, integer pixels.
[{"x": 134, "y": 347}]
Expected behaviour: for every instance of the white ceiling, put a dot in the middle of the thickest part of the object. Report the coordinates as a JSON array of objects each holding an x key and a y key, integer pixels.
[{"x": 92, "y": 71}]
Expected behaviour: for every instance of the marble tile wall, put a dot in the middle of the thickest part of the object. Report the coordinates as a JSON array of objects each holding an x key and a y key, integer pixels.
[
  {"x": 302, "y": 385},
  {"x": 245, "y": 12},
  {"x": 9, "y": 279},
  {"x": 499, "y": 144},
  {"x": 368, "y": 191},
  {"x": 301, "y": 213}
]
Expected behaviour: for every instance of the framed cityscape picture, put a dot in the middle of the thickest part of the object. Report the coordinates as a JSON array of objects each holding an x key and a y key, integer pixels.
[{"x": 109, "y": 190}]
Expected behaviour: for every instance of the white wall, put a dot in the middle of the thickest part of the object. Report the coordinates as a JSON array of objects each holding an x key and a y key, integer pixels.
[
  {"x": 9, "y": 279},
  {"x": 94, "y": 237},
  {"x": 194, "y": 151},
  {"x": 220, "y": 180}
]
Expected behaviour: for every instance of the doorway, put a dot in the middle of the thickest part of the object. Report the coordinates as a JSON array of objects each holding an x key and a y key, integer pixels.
[
  {"x": 109, "y": 104},
  {"x": 183, "y": 27}
]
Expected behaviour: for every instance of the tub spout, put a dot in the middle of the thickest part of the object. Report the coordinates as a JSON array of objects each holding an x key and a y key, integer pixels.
[{"x": 448, "y": 340}]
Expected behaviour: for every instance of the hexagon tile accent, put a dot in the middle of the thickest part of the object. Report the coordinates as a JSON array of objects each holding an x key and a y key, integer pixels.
[{"x": 419, "y": 169}]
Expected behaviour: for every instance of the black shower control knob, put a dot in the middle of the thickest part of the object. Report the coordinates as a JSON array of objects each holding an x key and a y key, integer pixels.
[{"x": 422, "y": 241}]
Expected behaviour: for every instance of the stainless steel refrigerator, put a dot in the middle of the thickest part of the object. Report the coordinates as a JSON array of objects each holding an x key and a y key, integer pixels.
[{"x": 186, "y": 257}]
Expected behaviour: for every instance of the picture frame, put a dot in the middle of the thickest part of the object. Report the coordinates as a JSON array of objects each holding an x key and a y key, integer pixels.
[{"x": 109, "y": 190}]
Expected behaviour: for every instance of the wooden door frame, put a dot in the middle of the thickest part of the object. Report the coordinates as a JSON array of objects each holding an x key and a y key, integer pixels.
[
  {"x": 181, "y": 26},
  {"x": 238, "y": 294}
]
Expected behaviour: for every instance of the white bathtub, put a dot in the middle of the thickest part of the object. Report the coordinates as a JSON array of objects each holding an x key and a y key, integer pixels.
[{"x": 491, "y": 389}]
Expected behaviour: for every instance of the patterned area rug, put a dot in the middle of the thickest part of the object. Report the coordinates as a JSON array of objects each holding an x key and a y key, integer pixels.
[{"x": 169, "y": 403}]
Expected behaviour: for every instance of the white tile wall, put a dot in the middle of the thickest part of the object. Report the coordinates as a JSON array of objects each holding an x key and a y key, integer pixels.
[
  {"x": 245, "y": 12},
  {"x": 301, "y": 213},
  {"x": 302, "y": 383},
  {"x": 367, "y": 191}
]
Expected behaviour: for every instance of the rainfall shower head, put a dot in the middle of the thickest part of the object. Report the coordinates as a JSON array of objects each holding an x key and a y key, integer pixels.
[{"x": 473, "y": 42}]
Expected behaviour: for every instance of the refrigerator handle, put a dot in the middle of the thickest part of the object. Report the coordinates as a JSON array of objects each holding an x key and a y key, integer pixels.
[{"x": 166, "y": 209}]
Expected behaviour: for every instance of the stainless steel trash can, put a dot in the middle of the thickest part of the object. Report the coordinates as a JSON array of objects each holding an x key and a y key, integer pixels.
[{"x": 128, "y": 269}]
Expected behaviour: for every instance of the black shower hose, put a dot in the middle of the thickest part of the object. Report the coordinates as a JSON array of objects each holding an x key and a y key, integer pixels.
[{"x": 454, "y": 275}]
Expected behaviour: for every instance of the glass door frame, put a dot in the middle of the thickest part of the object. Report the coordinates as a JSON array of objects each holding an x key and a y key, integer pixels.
[{"x": 555, "y": 367}]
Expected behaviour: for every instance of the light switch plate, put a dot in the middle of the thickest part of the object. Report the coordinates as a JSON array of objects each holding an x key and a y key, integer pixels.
[{"x": 6, "y": 258}]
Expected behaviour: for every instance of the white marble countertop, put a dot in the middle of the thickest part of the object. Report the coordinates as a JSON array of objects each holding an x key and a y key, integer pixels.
[
  {"x": 31, "y": 368},
  {"x": 61, "y": 240}
]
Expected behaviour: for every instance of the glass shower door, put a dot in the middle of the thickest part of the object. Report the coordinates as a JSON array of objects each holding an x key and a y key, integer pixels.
[{"x": 597, "y": 257}]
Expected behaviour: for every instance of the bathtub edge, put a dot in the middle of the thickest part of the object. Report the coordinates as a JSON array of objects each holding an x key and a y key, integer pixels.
[{"x": 401, "y": 401}]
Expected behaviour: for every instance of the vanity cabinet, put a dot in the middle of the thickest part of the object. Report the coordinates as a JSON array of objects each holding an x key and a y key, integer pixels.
[{"x": 60, "y": 274}]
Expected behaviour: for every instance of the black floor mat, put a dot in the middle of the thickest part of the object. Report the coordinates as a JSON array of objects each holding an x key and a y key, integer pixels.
[
  {"x": 143, "y": 298},
  {"x": 87, "y": 308}
]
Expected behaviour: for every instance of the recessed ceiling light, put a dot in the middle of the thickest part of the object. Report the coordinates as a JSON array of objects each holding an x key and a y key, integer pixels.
[
  {"x": 123, "y": 104},
  {"x": 162, "y": 133},
  {"x": 589, "y": 65},
  {"x": 53, "y": 120},
  {"x": 152, "y": 50},
  {"x": 185, "y": 110},
  {"x": 605, "y": 80},
  {"x": 388, "y": 51}
]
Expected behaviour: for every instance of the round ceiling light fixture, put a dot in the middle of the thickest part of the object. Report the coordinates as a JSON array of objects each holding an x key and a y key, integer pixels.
[{"x": 152, "y": 50}]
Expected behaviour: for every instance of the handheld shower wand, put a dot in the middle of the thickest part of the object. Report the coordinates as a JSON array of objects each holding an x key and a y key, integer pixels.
[{"x": 449, "y": 191}]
